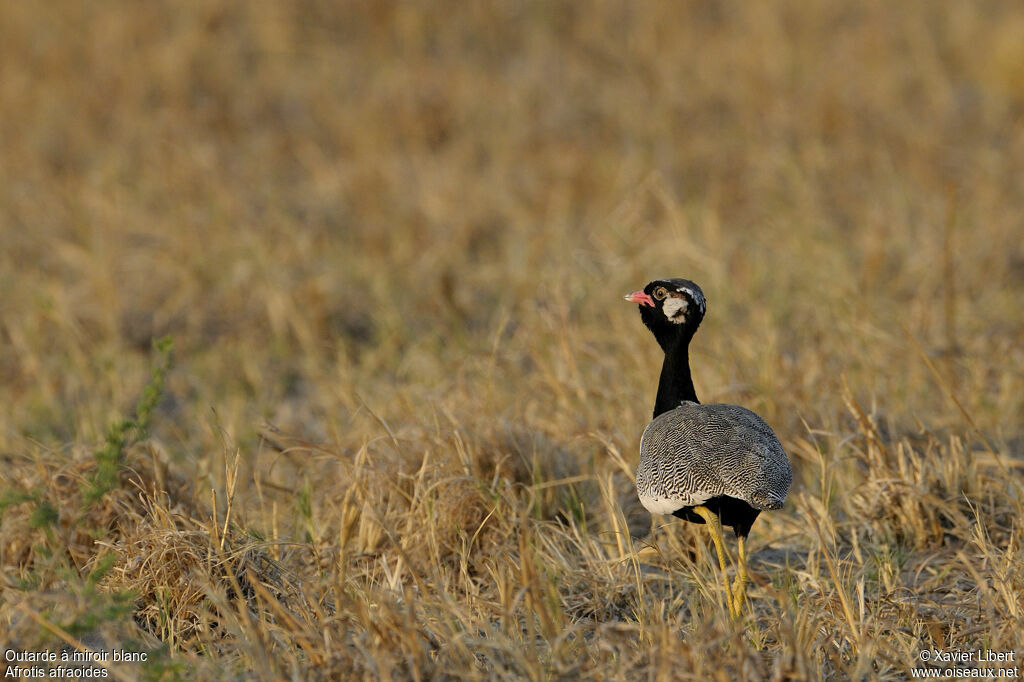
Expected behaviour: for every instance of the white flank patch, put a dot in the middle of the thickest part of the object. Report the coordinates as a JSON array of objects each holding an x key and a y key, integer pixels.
[
  {"x": 675, "y": 309},
  {"x": 664, "y": 505}
]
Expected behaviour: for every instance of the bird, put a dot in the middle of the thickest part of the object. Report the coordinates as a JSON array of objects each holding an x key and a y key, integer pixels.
[{"x": 716, "y": 464}]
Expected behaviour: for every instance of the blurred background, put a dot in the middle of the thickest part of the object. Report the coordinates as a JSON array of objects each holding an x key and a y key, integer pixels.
[
  {"x": 390, "y": 241},
  {"x": 426, "y": 214}
]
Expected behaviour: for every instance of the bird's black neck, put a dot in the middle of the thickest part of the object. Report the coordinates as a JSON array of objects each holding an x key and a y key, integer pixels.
[{"x": 676, "y": 384}]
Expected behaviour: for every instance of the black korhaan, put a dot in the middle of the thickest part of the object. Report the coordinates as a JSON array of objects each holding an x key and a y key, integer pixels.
[{"x": 717, "y": 464}]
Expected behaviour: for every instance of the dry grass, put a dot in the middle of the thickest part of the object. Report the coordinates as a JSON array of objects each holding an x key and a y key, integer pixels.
[{"x": 390, "y": 242}]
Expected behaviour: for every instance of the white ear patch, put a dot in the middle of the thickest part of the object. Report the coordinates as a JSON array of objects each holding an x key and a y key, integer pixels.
[
  {"x": 674, "y": 308},
  {"x": 697, "y": 297}
]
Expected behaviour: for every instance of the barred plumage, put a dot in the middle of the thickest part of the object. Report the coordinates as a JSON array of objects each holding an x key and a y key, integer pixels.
[{"x": 696, "y": 452}]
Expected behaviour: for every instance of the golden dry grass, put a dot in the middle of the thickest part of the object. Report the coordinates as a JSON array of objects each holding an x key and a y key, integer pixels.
[{"x": 390, "y": 242}]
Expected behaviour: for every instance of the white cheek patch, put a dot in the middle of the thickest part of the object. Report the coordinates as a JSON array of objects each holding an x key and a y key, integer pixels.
[{"x": 675, "y": 309}]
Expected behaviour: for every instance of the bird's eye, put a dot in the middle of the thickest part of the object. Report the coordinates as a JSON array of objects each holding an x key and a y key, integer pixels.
[{"x": 660, "y": 293}]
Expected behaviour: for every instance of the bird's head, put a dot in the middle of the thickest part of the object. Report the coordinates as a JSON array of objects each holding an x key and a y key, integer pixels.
[{"x": 670, "y": 308}]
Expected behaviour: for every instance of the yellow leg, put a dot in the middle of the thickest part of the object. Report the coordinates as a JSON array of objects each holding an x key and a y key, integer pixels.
[
  {"x": 740, "y": 588},
  {"x": 715, "y": 528}
]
